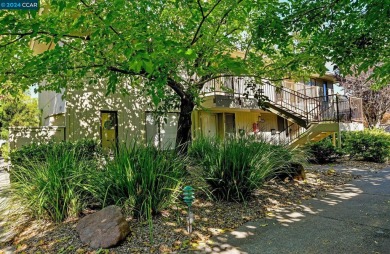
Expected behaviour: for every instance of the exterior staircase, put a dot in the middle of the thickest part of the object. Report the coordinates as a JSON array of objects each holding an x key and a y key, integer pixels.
[
  {"x": 316, "y": 132},
  {"x": 313, "y": 118}
]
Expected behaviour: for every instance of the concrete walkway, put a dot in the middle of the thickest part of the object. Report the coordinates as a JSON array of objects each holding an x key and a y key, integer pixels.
[
  {"x": 354, "y": 218},
  {"x": 4, "y": 236}
]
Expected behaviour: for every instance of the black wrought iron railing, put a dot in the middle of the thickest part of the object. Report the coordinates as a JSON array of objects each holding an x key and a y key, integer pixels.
[
  {"x": 332, "y": 108},
  {"x": 311, "y": 109}
]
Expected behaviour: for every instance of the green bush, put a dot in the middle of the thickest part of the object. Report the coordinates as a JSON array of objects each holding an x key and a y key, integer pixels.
[
  {"x": 237, "y": 167},
  {"x": 143, "y": 177},
  {"x": 322, "y": 152},
  {"x": 86, "y": 149},
  {"x": 368, "y": 145},
  {"x": 4, "y": 151},
  {"x": 56, "y": 186}
]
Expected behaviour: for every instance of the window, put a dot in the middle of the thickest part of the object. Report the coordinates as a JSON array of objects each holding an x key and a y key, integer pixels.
[
  {"x": 325, "y": 90},
  {"x": 161, "y": 131}
]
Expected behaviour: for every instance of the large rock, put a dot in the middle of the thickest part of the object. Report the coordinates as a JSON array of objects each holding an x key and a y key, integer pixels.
[{"x": 103, "y": 229}]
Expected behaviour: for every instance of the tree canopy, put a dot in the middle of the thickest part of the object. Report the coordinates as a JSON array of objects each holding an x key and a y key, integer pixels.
[
  {"x": 172, "y": 47},
  {"x": 20, "y": 110},
  {"x": 346, "y": 33}
]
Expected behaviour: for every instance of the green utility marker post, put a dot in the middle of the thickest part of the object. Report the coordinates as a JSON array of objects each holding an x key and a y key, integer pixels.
[{"x": 189, "y": 197}]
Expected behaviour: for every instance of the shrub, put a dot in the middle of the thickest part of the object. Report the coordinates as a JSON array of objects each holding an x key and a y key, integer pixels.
[
  {"x": 146, "y": 178},
  {"x": 4, "y": 151},
  {"x": 322, "y": 152},
  {"x": 237, "y": 167},
  {"x": 55, "y": 187},
  {"x": 369, "y": 145},
  {"x": 86, "y": 149}
]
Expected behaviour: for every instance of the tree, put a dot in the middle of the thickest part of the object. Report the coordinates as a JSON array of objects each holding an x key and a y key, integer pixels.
[
  {"x": 20, "y": 110},
  {"x": 169, "y": 49},
  {"x": 344, "y": 32},
  {"x": 376, "y": 102}
]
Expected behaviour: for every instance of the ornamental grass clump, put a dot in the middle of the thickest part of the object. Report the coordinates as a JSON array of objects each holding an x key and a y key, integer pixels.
[
  {"x": 237, "y": 167},
  {"x": 144, "y": 178},
  {"x": 56, "y": 187},
  {"x": 202, "y": 146}
]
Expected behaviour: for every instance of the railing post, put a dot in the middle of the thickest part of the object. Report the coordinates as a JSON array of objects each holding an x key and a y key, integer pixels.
[
  {"x": 307, "y": 111},
  {"x": 337, "y": 108},
  {"x": 350, "y": 109}
]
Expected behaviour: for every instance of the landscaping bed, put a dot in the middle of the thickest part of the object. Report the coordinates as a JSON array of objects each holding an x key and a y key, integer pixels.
[
  {"x": 211, "y": 218},
  {"x": 235, "y": 181}
]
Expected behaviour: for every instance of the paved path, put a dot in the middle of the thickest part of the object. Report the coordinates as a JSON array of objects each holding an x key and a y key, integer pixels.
[
  {"x": 354, "y": 218},
  {"x": 4, "y": 181}
]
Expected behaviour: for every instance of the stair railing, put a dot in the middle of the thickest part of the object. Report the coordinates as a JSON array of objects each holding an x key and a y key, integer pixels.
[
  {"x": 310, "y": 109},
  {"x": 288, "y": 135}
]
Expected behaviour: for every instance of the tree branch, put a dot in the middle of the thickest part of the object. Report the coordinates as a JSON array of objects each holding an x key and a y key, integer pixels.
[
  {"x": 97, "y": 15},
  {"x": 196, "y": 37},
  {"x": 200, "y": 7},
  {"x": 225, "y": 16},
  {"x": 127, "y": 72},
  {"x": 10, "y": 42},
  {"x": 177, "y": 87},
  {"x": 86, "y": 38}
]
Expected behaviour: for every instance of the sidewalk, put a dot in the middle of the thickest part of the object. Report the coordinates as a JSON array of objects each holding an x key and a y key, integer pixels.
[
  {"x": 354, "y": 218},
  {"x": 4, "y": 181}
]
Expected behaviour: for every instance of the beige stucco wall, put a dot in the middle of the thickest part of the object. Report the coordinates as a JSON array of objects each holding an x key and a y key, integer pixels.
[
  {"x": 52, "y": 106},
  {"x": 20, "y": 136},
  {"x": 84, "y": 111}
]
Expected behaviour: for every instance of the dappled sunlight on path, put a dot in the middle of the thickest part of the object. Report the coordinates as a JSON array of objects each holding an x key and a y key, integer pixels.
[{"x": 352, "y": 205}]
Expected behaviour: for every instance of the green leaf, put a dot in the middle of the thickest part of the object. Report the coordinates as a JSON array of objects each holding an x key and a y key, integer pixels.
[
  {"x": 148, "y": 67},
  {"x": 136, "y": 66}
]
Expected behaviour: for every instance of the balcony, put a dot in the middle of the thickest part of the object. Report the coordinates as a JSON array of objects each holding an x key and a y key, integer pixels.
[{"x": 303, "y": 105}]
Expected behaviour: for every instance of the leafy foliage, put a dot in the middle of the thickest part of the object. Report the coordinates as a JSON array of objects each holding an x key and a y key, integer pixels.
[
  {"x": 86, "y": 149},
  {"x": 19, "y": 110},
  {"x": 346, "y": 33},
  {"x": 323, "y": 151},
  {"x": 143, "y": 178},
  {"x": 55, "y": 187},
  {"x": 237, "y": 167},
  {"x": 166, "y": 49},
  {"x": 369, "y": 145}
]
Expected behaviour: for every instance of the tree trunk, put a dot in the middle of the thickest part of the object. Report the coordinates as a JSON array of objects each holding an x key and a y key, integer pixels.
[{"x": 183, "y": 137}]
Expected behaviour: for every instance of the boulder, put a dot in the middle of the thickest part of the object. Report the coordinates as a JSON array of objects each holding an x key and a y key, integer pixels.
[{"x": 103, "y": 229}]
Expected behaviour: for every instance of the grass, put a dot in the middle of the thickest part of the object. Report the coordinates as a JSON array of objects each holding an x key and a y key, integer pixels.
[
  {"x": 143, "y": 178},
  {"x": 237, "y": 167},
  {"x": 56, "y": 188}
]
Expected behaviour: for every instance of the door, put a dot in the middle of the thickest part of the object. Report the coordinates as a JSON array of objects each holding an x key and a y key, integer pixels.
[
  {"x": 230, "y": 125},
  {"x": 209, "y": 125},
  {"x": 109, "y": 129}
]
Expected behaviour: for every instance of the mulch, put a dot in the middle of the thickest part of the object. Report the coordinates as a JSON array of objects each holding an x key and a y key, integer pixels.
[{"x": 211, "y": 218}]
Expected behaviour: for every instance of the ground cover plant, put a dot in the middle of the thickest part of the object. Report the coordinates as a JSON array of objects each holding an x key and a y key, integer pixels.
[
  {"x": 201, "y": 146},
  {"x": 368, "y": 145},
  {"x": 237, "y": 167}
]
